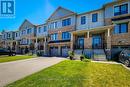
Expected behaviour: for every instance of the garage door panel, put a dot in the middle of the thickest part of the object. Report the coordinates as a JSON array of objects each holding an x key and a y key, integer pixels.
[
  {"x": 65, "y": 51},
  {"x": 54, "y": 51}
]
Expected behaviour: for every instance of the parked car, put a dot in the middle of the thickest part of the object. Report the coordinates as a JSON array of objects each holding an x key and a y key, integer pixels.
[
  {"x": 124, "y": 57},
  {"x": 7, "y": 52}
]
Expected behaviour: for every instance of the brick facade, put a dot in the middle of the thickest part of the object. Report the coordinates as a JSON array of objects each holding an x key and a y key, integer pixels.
[{"x": 121, "y": 39}]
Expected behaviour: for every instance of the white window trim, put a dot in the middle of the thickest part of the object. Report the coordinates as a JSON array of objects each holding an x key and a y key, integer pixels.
[{"x": 119, "y": 5}]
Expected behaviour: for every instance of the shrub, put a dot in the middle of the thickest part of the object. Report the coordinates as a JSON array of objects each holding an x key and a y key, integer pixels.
[
  {"x": 86, "y": 60},
  {"x": 71, "y": 55},
  {"x": 82, "y": 57},
  {"x": 40, "y": 53}
]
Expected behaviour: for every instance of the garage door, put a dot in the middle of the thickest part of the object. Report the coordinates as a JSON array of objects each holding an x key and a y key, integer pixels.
[
  {"x": 54, "y": 51},
  {"x": 64, "y": 51}
]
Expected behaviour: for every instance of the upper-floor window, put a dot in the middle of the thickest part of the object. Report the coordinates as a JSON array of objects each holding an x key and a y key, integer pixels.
[
  {"x": 121, "y": 28},
  {"x": 66, "y": 35},
  {"x": 4, "y": 35},
  {"x": 39, "y": 30},
  {"x": 54, "y": 36},
  {"x": 95, "y": 17},
  {"x": 83, "y": 20},
  {"x": 53, "y": 25},
  {"x": 8, "y": 35},
  {"x": 121, "y": 9},
  {"x": 16, "y": 34},
  {"x": 23, "y": 32},
  {"x": 45, "y": 28},
  {"x": 66, "y": 22},
  {"x": 29, "y": 31},
  {"x": 49, "y": 26}
]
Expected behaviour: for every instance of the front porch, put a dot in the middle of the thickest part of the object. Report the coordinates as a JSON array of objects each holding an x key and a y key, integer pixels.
[{"x": 92, "y": 42}]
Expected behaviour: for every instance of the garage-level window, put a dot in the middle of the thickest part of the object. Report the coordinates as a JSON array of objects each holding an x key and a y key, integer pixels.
[
  {"x": 66, "y": 35},
  {"x": 121, "y": 28},
  {"x": 54, "y": 36}
]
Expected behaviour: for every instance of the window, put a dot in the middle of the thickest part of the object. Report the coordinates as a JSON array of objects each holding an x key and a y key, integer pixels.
[
  {"x": 55, "y": 25},
  {"x": 121, "y": 9},
  {"x": 49, "y": 27},
  {"x": 94, "y": 17},
  {"x": 66, "y": 22},
  {"x": 83, "y": 20},
  {"x": 16, "y": 34},
  {"x": 29, "y": 31},
  {"x": 54, "y": 36},
  {"x": 39, "y": 30},
  {"x": 121, "y": 28},
  {"x": 8, "y": 35},
  {"x": 45, "y": 28},
  {"x": 66, "y": 35},
  {"x": 23, "y": 32}
]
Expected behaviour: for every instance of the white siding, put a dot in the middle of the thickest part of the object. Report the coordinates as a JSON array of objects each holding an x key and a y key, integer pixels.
[
  {"x": 109, "y": 10},
  {"x": 59, "y": 13},
  {"x": 89, "y": 24},
  {"x": 42, "y": 33},
  {"x": 18, "y": 35},
  {"x": 129, "y": 6},
  {"x": 59, "y": 22}
]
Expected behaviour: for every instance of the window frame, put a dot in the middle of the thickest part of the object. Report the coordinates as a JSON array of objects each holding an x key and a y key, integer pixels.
[
  {"x": 83, "y": 20},
  {"x": 95, "y": 17},
  {"x": 54, "y": 36},
  {"x": 45, "y": 28},
  {"x": 120, "y": 28},
  {"x": 66, "y": 22},
  {"x": 66, "y": 35},
  {"x": 120, "y": 9}
]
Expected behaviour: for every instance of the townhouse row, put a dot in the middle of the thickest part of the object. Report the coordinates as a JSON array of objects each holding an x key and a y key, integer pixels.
[{"x": 107, "y": 28}]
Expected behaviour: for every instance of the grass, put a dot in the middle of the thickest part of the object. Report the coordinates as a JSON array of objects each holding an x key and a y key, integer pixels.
[
  {"x": 14, "y": 58},
  {"x": 78, "y": 74}
]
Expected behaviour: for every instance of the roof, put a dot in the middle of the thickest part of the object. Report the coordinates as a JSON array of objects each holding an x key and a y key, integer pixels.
[
  {"x": 114, "y": 1},
  {"x": 61, "y": 8},
  {"x": 24, "y": 22},
  {"x": 90, "y": 11}
]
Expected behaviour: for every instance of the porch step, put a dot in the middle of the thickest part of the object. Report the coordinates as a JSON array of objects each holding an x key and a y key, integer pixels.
[{"x": 99, "y": 55}]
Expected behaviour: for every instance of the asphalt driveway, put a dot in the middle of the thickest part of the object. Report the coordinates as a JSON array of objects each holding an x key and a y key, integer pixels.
[{"x": 12, "y": 71}]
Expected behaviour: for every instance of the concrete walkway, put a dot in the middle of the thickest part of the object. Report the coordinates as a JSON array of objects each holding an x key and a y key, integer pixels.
[{"x": 12, "y": 71}]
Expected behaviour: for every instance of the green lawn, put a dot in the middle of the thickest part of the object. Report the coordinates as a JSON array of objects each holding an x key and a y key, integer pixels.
[
  {"x": 78, "y": 74},
  {"x": 13, "y": 58}
]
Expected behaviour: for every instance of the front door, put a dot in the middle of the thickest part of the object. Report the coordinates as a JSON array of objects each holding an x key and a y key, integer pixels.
[
  {"x": 97, "y": 42},
  {"x": 80, "y": 42}
]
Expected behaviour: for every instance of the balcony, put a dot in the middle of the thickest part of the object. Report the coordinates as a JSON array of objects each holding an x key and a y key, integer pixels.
[{"x": 62, "y": 29}]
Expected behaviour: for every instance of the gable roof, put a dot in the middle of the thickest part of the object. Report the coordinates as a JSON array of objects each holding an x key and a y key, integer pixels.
[
  {"x": 114, "y": 2},
  {"x": 60, "y": 14},
  {"x": 24, "y": 22}
]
